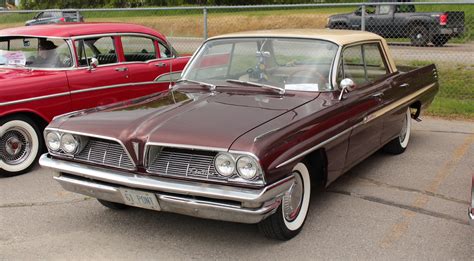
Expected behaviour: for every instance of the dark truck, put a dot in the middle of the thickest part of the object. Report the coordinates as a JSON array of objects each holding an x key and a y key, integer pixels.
[
  {"x": 55, "y": 16},
  {"x": 402, "y": 21}
]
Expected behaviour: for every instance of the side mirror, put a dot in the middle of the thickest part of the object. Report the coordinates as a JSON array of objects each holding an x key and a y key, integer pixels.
[
  {"x": 358, "y": 12},
  {"x": 346, "y": 85},
  {"x": 93, "y": 63}
]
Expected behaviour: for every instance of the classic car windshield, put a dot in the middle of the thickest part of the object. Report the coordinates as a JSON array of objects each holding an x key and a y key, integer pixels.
[
  {"x": 292, "y": 64},
  {"x": 34, "y": 52}
]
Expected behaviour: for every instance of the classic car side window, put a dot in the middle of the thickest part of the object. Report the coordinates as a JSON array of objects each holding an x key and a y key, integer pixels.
[
  {"x": 138, "y": 49},
  {"x": 362, "y": 64},
  {"x": 375, "y": 66},
  {"x": 103, "y": 49},
  {"x": 165, "y": 52}
]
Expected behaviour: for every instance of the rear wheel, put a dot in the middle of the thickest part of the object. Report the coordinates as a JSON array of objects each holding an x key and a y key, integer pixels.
[
  {"x": 440, "y": 40},
  {"x": 419, "y": 35},
  {"x": 20, "y": 145},
  {"x": 400, "y": 143},
  {"x": 289, "y": 219},
  {"x": 112, "y": 205}
]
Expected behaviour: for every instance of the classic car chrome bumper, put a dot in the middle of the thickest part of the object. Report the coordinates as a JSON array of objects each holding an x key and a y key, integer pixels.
[{"x": 196, "y": 199}]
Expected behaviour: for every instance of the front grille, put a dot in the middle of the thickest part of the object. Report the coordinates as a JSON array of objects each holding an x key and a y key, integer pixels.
[
  {"x": 105, "y": 152},
  {"x": 184, "y": 163}
]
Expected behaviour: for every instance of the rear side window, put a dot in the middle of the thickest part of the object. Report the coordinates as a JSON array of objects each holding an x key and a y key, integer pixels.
[
  {"x": 138, "y": 49},
  {"x": 362, "y": 63},
  {"x": 102, "y": 48}
]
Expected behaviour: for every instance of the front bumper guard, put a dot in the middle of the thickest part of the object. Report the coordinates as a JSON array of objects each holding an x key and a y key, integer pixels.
[{"x": 211, "y": 201}]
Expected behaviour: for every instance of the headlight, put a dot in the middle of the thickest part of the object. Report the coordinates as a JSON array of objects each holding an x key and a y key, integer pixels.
[
  {"x": 247, "y": 167},
  {"x": 225, "y": 164},
  {"x": 53, "y": 140},
  {"x": 70, "y": 143}
]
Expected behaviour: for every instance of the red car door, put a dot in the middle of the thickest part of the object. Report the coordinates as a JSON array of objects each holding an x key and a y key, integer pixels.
[
  {"x": 106, "y": 82},
  {"x": 150, "y": 63}
]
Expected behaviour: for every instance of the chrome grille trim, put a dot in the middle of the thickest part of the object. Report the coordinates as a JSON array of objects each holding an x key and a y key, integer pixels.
[
  {"x": 177, "y": 162},
  {"x": 104, "y": 152},
  {"x": 120, "y": 152}
]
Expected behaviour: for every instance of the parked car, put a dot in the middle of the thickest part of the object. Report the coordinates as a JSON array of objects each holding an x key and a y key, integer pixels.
[
  {"x": 55, "y": 16},
  {"x": 471, "y": 207},
  {"x": 257, "y": 118},
  {"x": 49, "y": 70},
  {"x": 402, "y": 21}
]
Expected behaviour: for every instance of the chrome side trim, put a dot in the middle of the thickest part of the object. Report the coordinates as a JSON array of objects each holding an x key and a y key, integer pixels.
[
  {"x": 93, "y": 136},
  {"x": 367, "y": 119},
  {"x": 396, "y": 104},
  {"x": 308, "y": 151},
  {"x": 113, "y": 86},
  {"x": 35, "y": 98},
  {"x": 169, "y": 76}
]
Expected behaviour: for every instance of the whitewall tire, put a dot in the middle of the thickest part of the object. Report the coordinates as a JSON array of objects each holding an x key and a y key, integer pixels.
[
  {"x": 289, "y": 219},
  {"x": 400, "y": 143},
  {"x": 20, "y": 145}
]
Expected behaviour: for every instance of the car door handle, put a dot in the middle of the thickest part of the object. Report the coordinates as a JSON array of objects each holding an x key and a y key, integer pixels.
[
  {"x": 378, "y": 95},
  {"x": 160, "y": 65},
  {"x": 404, "y": 85},
  {"x": 121, "y": 69}
]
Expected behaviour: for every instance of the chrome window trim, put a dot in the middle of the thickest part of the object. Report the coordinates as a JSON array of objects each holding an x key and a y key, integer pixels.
[
  {"x": 342, "y": 48},
  {"x": 93, "y": 136},
  {"x": 366, "y": 119}
]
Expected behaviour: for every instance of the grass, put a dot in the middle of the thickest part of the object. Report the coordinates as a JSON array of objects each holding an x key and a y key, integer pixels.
[{"x": 455, "y": 98}]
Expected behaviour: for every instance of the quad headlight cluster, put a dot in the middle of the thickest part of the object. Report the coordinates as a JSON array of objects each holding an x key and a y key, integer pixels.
[
  {"x": 67, "y": 143},
  {"x": 244, "y": 166}
]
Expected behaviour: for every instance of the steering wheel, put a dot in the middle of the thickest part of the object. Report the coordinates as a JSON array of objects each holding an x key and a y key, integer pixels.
[{"x": 312, "y": 75}]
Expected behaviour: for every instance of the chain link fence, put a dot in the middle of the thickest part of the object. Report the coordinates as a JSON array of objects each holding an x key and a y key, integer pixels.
[{"x": 418, "y": 32}]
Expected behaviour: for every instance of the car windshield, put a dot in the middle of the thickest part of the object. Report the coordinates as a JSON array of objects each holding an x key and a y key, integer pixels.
[
  {"x": 273, "y": 63},
  {"x": 32, "y": 52}
]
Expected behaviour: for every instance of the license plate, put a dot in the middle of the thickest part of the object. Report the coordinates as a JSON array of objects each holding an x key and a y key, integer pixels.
[{"x": 140, "y": 199}]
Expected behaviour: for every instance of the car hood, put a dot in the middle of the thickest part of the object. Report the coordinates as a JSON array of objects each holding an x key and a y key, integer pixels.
[{"x": 185, "y": 117}]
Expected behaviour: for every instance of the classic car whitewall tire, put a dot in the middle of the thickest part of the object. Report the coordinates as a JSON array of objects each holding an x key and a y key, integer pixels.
[
  {"x": 400, "y": 143},
  {"x": 289, "y": 219},
  {"x": 20, "y": 145}
]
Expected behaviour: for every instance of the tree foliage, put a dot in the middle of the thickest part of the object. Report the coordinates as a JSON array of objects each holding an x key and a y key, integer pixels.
[{"x": 48, "y": 4}]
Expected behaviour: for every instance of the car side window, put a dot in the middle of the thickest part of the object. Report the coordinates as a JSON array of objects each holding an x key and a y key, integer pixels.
[
  {"x": 165, "y": 52},
  {"x": 102, "y": 48},
  {"x": 384, "y": 9},
  {"x": 138, "y": 49},
  {"x": 362, "y": 63},
  {"x": 375, "y": 66}
]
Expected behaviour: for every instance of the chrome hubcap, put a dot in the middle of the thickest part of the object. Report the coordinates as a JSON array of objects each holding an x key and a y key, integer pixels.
[
  {"x": 15, "y": 146},
  {"x": 403, "y": 132},
  {"x": 293, "y": 198}
]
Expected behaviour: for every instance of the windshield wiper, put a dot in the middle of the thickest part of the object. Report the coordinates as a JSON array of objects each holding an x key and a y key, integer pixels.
[
  {"x": 280, "y": 90},
  {"x": 211, "y": 87}
]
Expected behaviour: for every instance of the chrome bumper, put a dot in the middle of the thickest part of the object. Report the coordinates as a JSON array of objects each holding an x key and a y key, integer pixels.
[{"x": 196, "y": 199}]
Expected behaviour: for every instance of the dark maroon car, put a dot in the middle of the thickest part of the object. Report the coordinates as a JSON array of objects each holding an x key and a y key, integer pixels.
[{"x": 256, "y": 119}]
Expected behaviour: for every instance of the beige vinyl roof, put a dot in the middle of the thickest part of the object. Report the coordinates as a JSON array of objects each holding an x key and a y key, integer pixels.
[{"x": 340, "y": 37}]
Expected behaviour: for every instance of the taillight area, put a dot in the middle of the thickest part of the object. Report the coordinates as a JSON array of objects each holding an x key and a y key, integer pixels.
[
  {"x": 443, "y": 19},
  {"x": 62, "y": 19}
]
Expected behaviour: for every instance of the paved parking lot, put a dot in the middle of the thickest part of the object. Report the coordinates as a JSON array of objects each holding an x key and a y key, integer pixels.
[{"x": 411, "y": 206}]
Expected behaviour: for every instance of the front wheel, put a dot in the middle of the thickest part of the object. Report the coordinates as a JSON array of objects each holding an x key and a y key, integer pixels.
[
  {"x": 20, "y": 144},
  {"x": 419, "y": 35},
  {"x": 400, "y": 143},
  {"x": 289, "y": 219}
]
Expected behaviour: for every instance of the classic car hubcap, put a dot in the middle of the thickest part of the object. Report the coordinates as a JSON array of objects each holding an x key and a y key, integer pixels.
[
  {"x": 293, "y": 198},
  {"x": 403, "y": 132},
  {"x": 15, "y": 146}
]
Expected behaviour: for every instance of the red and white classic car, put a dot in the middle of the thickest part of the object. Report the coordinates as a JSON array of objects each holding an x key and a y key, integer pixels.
[{"x": 49, "y": 70}]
